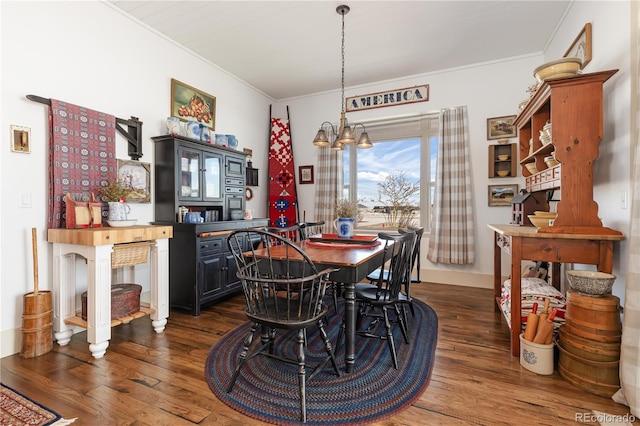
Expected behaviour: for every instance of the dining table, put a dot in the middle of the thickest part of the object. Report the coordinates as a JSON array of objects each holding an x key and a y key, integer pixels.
[{"x": 354, "y": 262}]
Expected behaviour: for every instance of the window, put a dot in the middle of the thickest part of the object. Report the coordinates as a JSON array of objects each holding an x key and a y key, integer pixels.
[{"x": 404, "y": 151}]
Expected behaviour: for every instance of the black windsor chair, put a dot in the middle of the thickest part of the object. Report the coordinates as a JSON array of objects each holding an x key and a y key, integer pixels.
[
  {"x": 375, "y": 301},
  {"x": 281, "y": 294},
  {"x": 307, "y": 229},
  {"x": 291, "y": 233},
  {"x": 415, "y": 258}
]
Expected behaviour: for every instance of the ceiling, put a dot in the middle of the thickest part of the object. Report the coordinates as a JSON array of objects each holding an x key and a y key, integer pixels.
[{"x": 288, "y": 49}]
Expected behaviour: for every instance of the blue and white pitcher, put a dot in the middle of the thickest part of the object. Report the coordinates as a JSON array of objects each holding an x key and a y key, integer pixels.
[
  {"x": 344, "y": 226},
  {"x": 118, "y": 211}
]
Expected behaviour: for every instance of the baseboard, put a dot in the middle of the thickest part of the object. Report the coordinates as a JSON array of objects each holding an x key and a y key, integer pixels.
[
  {"x": 465, "y": 279},
  {"x": 11, "y": 340}
]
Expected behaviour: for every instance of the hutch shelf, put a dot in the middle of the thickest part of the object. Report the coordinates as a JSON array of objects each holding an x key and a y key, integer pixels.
[{"x": 573, "y": 105}]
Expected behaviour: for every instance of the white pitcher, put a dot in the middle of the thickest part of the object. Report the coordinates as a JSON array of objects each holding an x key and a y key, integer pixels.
[
  {"x": 118, "y": 210},
  {"x": 344, "y": 226}
]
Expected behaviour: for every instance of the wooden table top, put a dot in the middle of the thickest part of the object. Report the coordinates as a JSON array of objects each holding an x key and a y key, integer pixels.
[
  {"x": 532, "y": 232},
  {"x": 343, "y": 256},
  {"x": 109, "y": 235}
]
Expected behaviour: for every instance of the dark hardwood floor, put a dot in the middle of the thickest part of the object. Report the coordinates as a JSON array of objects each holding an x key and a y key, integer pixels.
[{"x": 158, "y": 379}]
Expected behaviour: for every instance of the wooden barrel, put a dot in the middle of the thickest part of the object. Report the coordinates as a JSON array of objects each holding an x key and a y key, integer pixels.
[
  {"x": 37, "y": 324},
  {"x": 597, "y": 377},
  {"x": 588, "y": 349},
  {"x": 593, "y": 317}
]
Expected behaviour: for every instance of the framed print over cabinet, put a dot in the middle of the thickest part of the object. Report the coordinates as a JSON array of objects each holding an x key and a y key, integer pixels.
[
  {"x": 138, "y": 176},
  {"x": 581, "y": 46},
  {"x": 501, "y": 195},
  {"x": 501, "y": 127},
  {"x": 191, "y": 104}
]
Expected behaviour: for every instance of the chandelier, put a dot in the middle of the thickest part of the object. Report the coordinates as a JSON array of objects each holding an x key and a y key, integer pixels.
[{"x": 343, "y": 134}]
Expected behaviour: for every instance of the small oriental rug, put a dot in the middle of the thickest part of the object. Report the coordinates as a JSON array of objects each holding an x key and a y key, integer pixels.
[
  {"x": 267, "y": 390},
  {"x": 18, "y": 410}
]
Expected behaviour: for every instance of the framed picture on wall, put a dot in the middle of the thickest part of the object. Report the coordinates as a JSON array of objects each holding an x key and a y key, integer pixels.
[
  {"x": 191, "y": 104},
  {"x": 306, "y": 174},
  {"x": 501, "y": 195},
  {"x": 581, "y": 46},
  {"x": 138, "y": 176},
  {"x": 21, "y": 139},
  {"x": 501, "y": 127}
]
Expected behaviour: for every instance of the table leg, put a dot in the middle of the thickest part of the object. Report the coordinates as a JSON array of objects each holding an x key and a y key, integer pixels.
[
  {"x": 99, "y": 299},
  {"x": 497, "y": 271},
  {"x": 350, "y": 325},
  {"x": 64, "y": 286},
  {"x": 160, "y": 284},
  {"x": 516, "y": 295}
]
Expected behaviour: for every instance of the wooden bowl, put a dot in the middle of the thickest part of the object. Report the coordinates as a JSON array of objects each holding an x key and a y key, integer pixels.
[
  {"x": 539, "y": 222},
  {"x": 503, "y": 157},
  {"x": 565, "y": 67},
  {"x": 502, "y": 173}
]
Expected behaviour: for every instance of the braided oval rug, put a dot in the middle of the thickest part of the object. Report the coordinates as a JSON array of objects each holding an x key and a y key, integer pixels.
[{"x": 267, "y": 389}]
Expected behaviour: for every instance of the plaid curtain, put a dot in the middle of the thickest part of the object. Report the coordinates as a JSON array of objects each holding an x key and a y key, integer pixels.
[
  {"x": 329, "y": 183},
  {"x": 630, "y": 346},
  {"x": 452, "y": 238}
]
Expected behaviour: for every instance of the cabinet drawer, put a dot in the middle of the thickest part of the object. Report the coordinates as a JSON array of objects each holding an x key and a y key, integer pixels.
[
  {"x": 236, "y": 182},
  {"x": 233, "y": 190},
  {"x": 212, "y": 245},
  {"x": 561, "y": 250}
]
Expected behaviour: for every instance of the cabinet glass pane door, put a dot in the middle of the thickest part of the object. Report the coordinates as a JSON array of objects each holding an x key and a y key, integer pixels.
[
  {"x": 190, "y": 174},
  {"x": 212, "y": 180}
]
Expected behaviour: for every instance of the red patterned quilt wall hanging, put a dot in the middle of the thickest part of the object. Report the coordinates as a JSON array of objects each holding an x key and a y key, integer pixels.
[{"x": 283, "y": 199}]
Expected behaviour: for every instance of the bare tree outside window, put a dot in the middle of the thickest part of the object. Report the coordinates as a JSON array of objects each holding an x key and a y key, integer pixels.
[{"x": 396, "y": 193}]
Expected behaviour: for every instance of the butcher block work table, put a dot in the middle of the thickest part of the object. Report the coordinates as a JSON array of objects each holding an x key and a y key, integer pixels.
[
  {"x": 526, "y": 243},
  {"x": 97, "y": 245}
]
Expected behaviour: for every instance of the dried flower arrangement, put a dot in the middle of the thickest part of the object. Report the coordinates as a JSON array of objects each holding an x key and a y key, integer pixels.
[
  {"x": 114, "y": 190},
  {"x": 346, "y": 208}
]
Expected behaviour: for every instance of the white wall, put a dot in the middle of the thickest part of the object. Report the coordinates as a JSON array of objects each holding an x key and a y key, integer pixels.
[
  {"x": 89, "y": 54},
  {"x": 488, "y": 90},
  {"x": 491, "y": 90}
]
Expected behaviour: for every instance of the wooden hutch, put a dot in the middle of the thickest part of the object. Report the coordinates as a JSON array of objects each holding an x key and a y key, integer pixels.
[{"x": 574, "y": 106}]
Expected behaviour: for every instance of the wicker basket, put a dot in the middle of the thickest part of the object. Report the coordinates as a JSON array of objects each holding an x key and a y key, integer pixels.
[{"x": 130, "y": 254}]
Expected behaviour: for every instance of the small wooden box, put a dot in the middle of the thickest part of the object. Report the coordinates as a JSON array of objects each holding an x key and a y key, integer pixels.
[{"x": 125, "y": 300}]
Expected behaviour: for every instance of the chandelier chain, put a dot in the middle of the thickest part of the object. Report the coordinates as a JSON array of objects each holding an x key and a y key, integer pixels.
[
  {"x": 344, "y": 133},
  {"x": 342, "y": 51}
]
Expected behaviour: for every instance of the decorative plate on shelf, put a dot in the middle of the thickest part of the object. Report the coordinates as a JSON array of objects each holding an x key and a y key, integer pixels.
[{"x": 121, "y": 223}]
